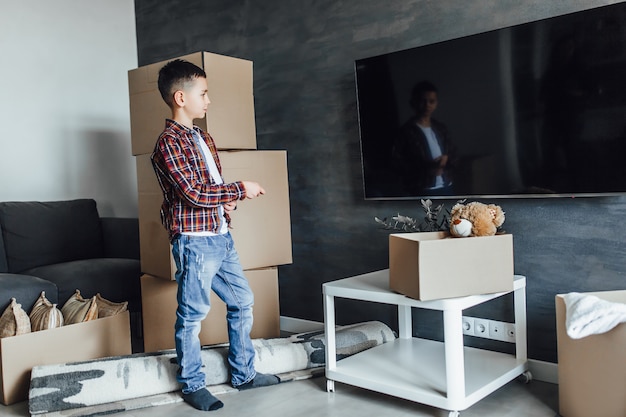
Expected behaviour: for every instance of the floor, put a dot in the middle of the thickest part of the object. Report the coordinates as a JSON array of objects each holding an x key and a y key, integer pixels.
[{"x": 309, "y": 398}]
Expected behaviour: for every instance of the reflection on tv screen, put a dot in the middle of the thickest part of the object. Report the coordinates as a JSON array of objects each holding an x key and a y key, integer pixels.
[{"x": 537, "y": 109}]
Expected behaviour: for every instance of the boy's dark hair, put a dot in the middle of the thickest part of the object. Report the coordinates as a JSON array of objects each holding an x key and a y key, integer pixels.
[
  {"x": 422, "y": 87},
  {"x": 174, "y": 75}
]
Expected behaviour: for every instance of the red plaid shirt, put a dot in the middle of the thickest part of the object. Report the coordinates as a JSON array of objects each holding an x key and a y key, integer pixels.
[{"x": 190, "y": 195}]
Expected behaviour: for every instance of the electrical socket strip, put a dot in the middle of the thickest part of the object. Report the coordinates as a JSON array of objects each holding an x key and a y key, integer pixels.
[{"x": 489, "y": 329}]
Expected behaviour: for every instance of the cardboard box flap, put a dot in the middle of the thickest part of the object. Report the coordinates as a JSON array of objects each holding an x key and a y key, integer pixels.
[{"x": 422, "y": 236}]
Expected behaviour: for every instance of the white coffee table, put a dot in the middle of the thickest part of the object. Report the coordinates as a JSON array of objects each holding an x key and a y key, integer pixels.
[{"x": 445, "y": 374}]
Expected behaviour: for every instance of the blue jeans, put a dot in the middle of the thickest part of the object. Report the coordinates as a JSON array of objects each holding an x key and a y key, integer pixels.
[{"x": 204, "y": 263}]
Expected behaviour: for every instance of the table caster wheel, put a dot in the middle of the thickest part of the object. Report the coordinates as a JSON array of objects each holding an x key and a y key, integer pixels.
[
  {"x": 330, "y": 385},
  {"x": 525, "y": 377},
  {"x": 454, "y": 414}
]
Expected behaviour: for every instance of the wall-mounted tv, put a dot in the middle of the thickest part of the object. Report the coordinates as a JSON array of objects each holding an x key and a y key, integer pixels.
[{"x": 534, "y": 110}]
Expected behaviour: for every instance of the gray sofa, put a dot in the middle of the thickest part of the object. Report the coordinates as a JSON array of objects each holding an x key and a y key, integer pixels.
[{"x": 61, "y": 246}]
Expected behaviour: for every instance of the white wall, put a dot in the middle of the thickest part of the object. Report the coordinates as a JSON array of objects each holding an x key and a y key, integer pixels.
[{"x": 64, "y": 112}]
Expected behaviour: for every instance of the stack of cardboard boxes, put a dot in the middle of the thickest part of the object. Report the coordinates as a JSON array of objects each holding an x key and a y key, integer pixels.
[{"x": 261, "y": 227}]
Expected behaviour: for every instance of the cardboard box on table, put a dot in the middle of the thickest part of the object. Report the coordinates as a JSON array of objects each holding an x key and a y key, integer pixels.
[
  {"x": 261, "y": 227},
  {"x": 434, "y": 265},
  {"x": 159, "y": 311},
  {"x": 94, "y": 339},
  {"x": 230, "y": 117},
  {"x": 592, "y": 370}
]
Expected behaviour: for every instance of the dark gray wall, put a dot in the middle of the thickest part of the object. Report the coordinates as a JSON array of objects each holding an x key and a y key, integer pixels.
[{"x": 303, "y": 53}]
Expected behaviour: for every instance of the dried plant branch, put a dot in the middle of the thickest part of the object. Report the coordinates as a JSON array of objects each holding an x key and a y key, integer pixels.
[{"x": 435, "y": 219}]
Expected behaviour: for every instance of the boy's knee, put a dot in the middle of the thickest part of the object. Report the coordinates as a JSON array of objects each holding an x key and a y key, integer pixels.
[
  {"x": 243, "y": 303},
  {"x": 242, "y": 306},
  {"x": 246, "y": 299},
  {"x": 194, "y": 313}
]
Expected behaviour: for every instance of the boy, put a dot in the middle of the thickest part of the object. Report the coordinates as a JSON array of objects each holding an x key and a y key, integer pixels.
[
  {"x": 196, "y": 212},
  {"x": 423, "y": 153}
]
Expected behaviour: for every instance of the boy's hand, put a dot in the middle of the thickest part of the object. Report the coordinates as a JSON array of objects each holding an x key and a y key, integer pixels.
[
  {"x": 230, "y": 207},
  {"x": 253, "y": 189},
  {"x": 441, "y": 161}
]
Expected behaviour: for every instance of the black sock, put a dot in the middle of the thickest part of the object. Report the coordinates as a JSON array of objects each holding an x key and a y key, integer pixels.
[
  {"x": 260, "y": 380},
  {"x": 203, "y": 400}
]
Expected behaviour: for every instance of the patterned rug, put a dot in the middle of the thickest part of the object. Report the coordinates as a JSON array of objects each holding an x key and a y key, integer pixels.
[
  {"x": 166, "y": 398},
  {"x": 123, "y": 383}
]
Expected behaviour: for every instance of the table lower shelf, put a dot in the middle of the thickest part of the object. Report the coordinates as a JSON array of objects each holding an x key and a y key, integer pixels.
[{"x": 415, "y": 369}]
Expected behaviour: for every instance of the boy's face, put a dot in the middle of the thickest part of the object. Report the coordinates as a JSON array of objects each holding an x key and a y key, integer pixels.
[
  {"x": 427, "y": 104},
  {"x": 196, "y": 99}
]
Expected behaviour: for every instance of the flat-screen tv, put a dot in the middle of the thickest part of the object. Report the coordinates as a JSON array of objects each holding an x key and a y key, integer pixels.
[{"x": 534, "y": 110}]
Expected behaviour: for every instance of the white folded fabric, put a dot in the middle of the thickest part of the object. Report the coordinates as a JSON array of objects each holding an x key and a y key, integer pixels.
[{"x": 587, "y": 314}]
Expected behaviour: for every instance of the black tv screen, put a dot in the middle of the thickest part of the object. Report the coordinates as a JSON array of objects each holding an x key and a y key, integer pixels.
[{"x": 533, "y": 110}]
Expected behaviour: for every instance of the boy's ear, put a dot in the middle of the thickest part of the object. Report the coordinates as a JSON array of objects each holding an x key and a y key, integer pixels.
[{"x": 179, "y": 98}]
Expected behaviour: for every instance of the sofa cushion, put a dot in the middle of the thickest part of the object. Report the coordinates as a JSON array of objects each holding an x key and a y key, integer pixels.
[
  {"x": 115, "y": 279},
  {"x": 43, "y": 233},
  {"x": 25, "y": 289}
]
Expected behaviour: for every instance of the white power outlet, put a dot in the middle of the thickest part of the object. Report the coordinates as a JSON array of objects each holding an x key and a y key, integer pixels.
[
  {"x": 496, "y": 330},
  {"x": 509, "y": 328},
  {"x": 481, "y": 327},
  {"x": 468, "y": 326},
  {"x": 489, "y": 329}
]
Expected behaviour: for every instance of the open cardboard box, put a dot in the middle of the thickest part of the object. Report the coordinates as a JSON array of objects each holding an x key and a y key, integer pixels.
[
  {"x": 434, "y": 265},
  {"x": 159, "y": 311},
  {"x": 109, "y": 336},
  {"x": 592, "y": 370}
]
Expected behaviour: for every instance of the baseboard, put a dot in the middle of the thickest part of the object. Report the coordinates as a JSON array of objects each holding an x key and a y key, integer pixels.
[{"x": 540, "y": 370}]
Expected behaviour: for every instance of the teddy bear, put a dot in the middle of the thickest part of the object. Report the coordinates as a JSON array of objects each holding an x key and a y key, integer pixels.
[{"x": 475, "y": 219}]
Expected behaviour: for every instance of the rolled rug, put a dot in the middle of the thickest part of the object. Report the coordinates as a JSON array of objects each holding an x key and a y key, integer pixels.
[{"x": 110, "y": 380}]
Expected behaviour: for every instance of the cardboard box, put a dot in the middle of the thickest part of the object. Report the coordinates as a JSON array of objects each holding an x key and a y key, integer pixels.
[
  {"x": 94, "y": 339},
  {"x": 159, "y": 311},
  {"x": 146, "y": 178},
  {"x": 229, "y": 119},
  {"x": 592, "y": 370},
  {"x": 261, "y": 227},
  {"x": 433, "y": 265},
  {"x": 155, "y": 250}
]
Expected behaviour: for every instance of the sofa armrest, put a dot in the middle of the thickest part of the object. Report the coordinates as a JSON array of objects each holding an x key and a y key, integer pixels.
[
  {"x": 121, "y": 237},
  {"x": 4, "y": 266}
]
